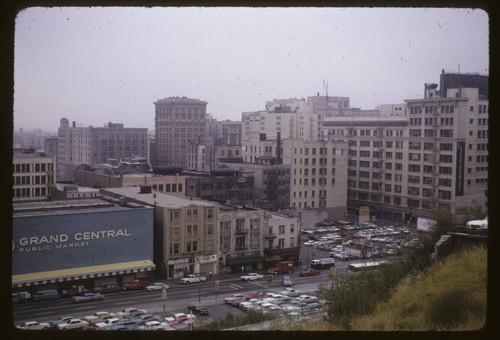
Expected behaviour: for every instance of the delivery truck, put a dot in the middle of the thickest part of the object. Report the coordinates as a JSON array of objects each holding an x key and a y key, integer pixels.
[
  {"x": 282, "y": 267},
  {"x": 322, "y": 263}
]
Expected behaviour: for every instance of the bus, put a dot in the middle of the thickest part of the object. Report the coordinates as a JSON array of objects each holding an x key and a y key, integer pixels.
[{"x": 357, "y": 267}]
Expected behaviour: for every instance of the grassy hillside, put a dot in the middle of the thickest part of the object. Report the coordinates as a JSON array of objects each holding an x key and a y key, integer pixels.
[{"x": 451, "y": 295}]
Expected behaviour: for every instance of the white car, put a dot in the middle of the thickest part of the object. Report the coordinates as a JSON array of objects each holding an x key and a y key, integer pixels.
[
  {"x": 156, "y": 286},
  {"x": 290, "y": 292},
  {"x": 478, "y": 224},
  {"x": 33, "y": 325},
  {"x": 72, "y": 324},
  {"x": 107, "y": 322},
  {"x": 251, "y": 277}
]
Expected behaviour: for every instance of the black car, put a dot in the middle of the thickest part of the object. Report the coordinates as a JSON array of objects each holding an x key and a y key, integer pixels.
[{"x": 201, "y": 310}]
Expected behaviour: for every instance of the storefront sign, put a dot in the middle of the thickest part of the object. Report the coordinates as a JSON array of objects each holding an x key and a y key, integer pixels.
[
  {"x": 240, "y": 255},
  {"x": 62, "y": 241},
  {"x": 205, "y": 259},
  {"x": 177, "y": 261}
]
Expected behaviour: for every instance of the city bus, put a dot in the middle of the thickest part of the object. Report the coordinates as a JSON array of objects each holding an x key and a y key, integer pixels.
[{"x": 356, "y": 267}]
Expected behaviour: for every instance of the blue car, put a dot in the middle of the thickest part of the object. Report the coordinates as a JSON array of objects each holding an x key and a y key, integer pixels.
[{"x": 287, "y": 281}]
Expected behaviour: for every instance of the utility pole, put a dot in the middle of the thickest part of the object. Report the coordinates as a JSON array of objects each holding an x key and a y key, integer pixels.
[{"x": 164, "y": 297}]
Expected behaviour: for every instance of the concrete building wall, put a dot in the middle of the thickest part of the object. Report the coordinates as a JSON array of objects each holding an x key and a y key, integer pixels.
[{"x": 33, "y": 176}]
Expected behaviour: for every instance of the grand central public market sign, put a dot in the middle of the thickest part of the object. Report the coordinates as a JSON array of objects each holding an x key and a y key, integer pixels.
[{"x": 63, "y": 241}]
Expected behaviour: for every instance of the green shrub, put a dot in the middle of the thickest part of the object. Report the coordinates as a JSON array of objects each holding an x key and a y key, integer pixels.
[{"x": 452, "y": 308}]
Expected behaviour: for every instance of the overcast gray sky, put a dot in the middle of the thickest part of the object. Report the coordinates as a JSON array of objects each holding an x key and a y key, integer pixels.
[{"x": 98, "y": 65}]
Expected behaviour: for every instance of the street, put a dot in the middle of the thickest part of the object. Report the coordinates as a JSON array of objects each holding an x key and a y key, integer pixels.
[{"x": 180, "y": 296}]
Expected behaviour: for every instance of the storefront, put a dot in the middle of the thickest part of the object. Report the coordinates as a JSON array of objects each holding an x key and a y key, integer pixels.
[
  {"x": 206, "y": 264},
  {"x": 243, "y": 262}
]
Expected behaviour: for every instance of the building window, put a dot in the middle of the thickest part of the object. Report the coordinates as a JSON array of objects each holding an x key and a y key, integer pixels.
[{"x": 281, "y": 243}]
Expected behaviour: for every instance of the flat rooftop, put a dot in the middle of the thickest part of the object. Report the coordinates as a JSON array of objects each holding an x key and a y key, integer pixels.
[
  {"x": 66, "y": 206},
  {"x": 156, "y": 198}
]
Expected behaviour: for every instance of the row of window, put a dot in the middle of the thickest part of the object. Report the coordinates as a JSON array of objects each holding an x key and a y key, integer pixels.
[
  {"x": 430, "y": 109},
  {"x": 27, "y": 180},
  {"x": 37, "y": 167},
  {"x": 31, "y": 192},
  {"x": 176, "y": 214},
  {"x": 321, "y": 181},
  {"x": 379, "y": 132},
  {"x": 191, "y": 247}
]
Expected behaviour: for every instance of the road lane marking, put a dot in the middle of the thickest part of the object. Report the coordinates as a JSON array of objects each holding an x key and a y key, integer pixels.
[
  {"x": 86, "y": 307},
  {"x": 124, "y": 303},
  {"x": 42, "y": 313}
]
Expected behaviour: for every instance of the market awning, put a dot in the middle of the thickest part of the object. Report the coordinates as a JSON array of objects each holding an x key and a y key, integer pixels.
[{"x": 79, "y": 273}]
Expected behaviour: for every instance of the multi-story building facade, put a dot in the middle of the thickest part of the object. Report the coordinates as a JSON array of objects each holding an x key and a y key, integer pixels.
[
  {"x": 178, "y": 120},
  {"x": 281, "y": 234},
  {"x": 94, "y": 145},
  {"x": 316, "y": 168},
  {"x": 451, "y": 80},
  {"x": 252, "y": 239},
  {"x": 318, "y": 174},
  {"x": 293, "y": 118},
  {"x": 185, "y": 231},
  {"x": 240, "y": 233},
  {"x": 73, "y": 146},
  {"x": 417, "y": 157},
  {"x": 34, "y": 175},
  {"x": 114, "y": 141},
  {"x": 223, "y": 185},
  {"x": 271, "y": 182}
]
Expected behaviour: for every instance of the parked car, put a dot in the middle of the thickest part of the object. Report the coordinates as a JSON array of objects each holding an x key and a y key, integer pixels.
[
  {"x": 200, "y": 310},
  {"x": 290, "y": 292},
  {"x": 129, "y": 310},
  {"x": 33, "y": 326},
  {"x": 251, "y": 277},
  {"x": 136, "y": 284},
  {"x": 104, "y": 289},
  {"x": 233, "y": 297},
  {"x": 309, "y": 272},
  {"x": 72, "y": 324},
  {"x": 153, "y": 325},
  {"x": 157, "y": 286},
  {"x": 136, "y": 314},
  {"x": 88, "y": 297},
  {"x": 107, "y": 322},
  {"x": 54, "y": 323},
  {"x": 287, "y": 281}
]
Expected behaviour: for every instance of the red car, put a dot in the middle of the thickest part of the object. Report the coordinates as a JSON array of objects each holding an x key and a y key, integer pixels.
[
  {"x": 309, "y": 272},
  {"x": 237, "y": 302}
]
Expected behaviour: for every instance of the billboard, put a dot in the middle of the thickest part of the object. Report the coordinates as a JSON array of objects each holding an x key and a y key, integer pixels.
[
  {"x": 425, "y": 224},
  {"x": 53, "y": 241}
]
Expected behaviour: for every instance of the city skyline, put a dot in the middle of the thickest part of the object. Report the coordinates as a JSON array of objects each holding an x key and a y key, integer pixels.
[{"x": 99, "y": 65}]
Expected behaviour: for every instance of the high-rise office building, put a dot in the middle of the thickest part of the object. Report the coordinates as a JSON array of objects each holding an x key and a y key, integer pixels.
[{"x": 178, "y": 120}]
